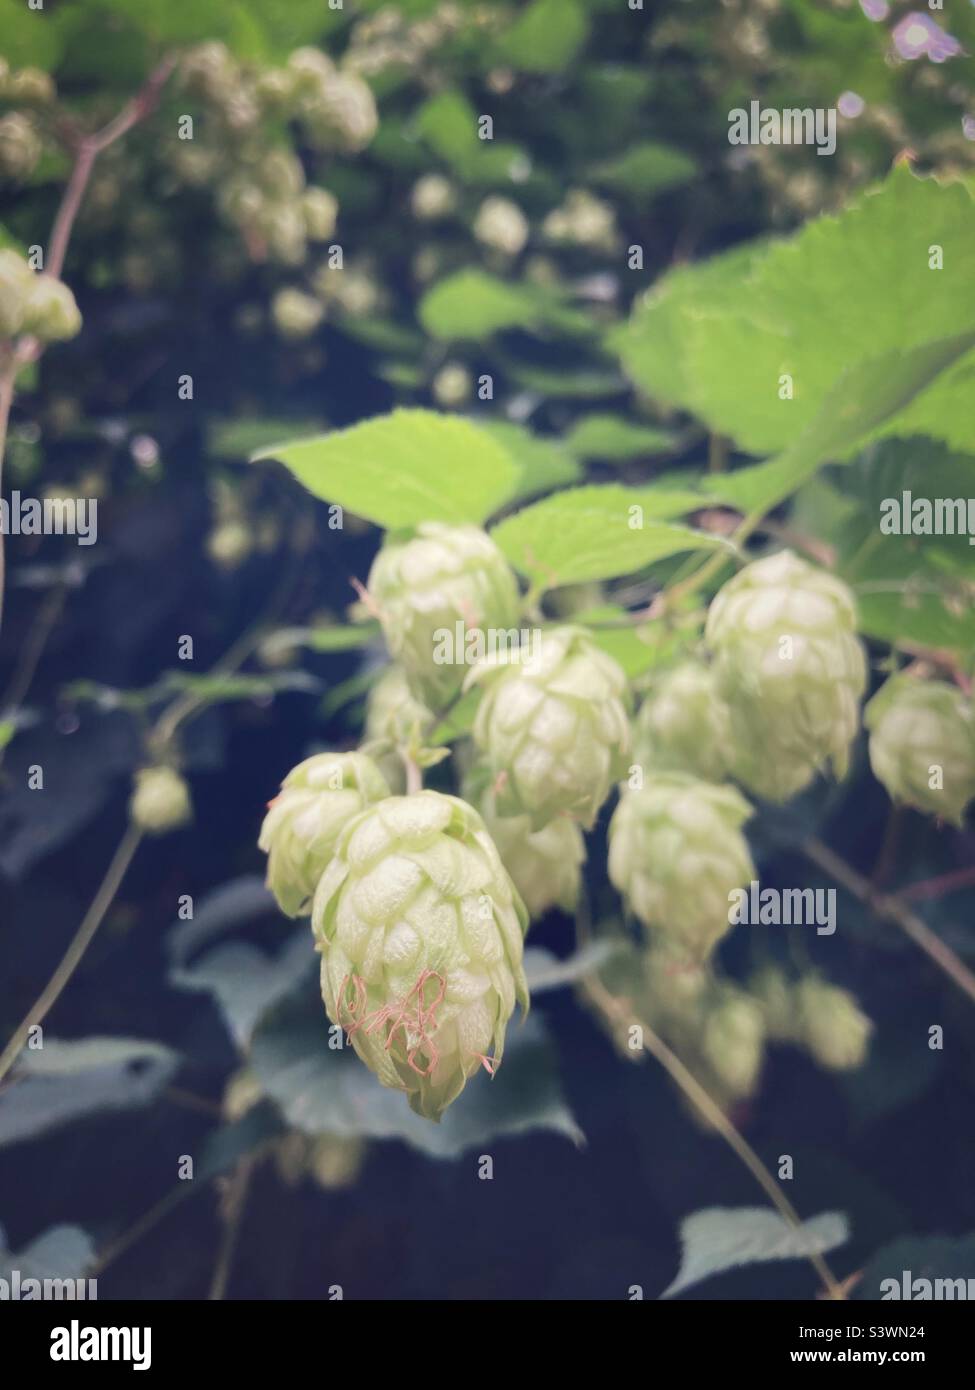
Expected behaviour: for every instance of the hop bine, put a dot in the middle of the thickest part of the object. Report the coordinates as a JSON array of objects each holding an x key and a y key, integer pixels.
[{"x": 420, "y": 930}]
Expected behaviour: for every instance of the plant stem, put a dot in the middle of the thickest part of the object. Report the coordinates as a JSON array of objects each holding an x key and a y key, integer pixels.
[
  {"x": 892, "y": 909},
  {"x": 235, "y": 1200},
  {"x": 92, "y": 920},
  {"x": 618, "y": 1015}
]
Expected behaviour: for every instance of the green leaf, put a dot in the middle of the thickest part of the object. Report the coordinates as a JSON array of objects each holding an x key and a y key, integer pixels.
[
  {"x": 471, "y": 305},
  {"x": 545, "y": 37},
  {"x": 65, "y": 1081},
  {"x": 589, "y": 533},
  {"x": 723, "y": 1238},
  {"x": 614, "y": 437},
  {"x": 325, "y": 1091},
  {"x": 238, "y": 439},
  {"x": 546, "y": 972},
  {"x": 8, "y": 727},
  {"x": 320, "y": 639},
  {"x": 584, "y": 383},
  {"x": 820, "y": 306},
  {"x": 448, "y": 124},
  {"x": 646, "y": 168},
  {"x": 864, "y": 397},
  {"x": 637, "y": 648},
  {"x": 400, "y": 469},
  {"x": 245, "y": 982},
  {"x": 545, "y": 463}
]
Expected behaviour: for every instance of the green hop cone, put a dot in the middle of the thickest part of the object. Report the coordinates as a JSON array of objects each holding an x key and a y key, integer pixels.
[
  {"x": 440, "y": 583},
  {"x": 684, "y": 725},
  {"x": 51, "y": 312},
  {"x": 734, "y": 1042},
  {"x": 676, "y": 853},
  {"x": 775, "y": 996},
  {"x": 545, "y": 865},
  {"x": 922, "y": 745},
  {"x": 790, "y": 666},
  {"x": 553, "y": 725},
  {"x": 421, "y": 931},
  {"x": 304, "y": 821},
  {"x": 16, "y": 284},
  {"x": 831, "y": 1025},
  {"x": 160, "y": 800}
]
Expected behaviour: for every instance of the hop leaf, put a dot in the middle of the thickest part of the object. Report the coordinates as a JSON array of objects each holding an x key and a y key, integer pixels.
[
  {"x": 684, "y": 725},
  {"x": 922, "y": 745},
  {"x": 303, "y": 823},
  {"x": 553, "y": 727},
  {"x": 426, "y": 586},
  {"x": 676, "y": 852},
  {"x": 421, "y": 931},
  {"x": 790, "y": 666},
  {"x": 160, "y": 800},
  {"x": 831, "y": 1025}
]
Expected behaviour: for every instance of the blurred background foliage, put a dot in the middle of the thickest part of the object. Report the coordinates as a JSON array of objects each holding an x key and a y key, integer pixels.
[{"x": 334, "y": 241}]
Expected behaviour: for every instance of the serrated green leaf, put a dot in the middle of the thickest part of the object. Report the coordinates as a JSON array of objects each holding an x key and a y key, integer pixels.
[
  {"x": 592, "y": 533},
  {"x": 723, "y": 1238},
  {"x": 401, "y": 469},
  {"x": 471, "y": 305},
  {"x": 544, "y": 461}
]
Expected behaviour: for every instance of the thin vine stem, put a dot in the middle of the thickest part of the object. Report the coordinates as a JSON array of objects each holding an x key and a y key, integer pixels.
[{"x": 80, "y": 942}]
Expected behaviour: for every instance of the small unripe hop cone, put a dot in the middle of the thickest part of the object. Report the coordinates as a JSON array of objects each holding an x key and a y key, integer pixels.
[
  {"x": 789, "y": 664},
  {"x": 160, "y": 800},
  {"x": 676, "y": 853},
  {"x": 304, "y": 821},
  {"x": 553, "y": 728},
  {"x": 442, "y": 576},
  {"x": 420, "y": 930},
  {"x": 684, "y": 725},
  {"x": 922, "y": 745}
]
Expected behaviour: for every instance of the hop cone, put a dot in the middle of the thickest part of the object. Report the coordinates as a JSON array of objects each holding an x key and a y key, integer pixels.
[
  {"x": 831, "y": 1025},
  {"x": 160, "y": 800},
  {"x": 792, "y": 670},
  {"x": 734, "y": 1042},
  {"x": 676, "y": 852},
  {"x": 775, "y": 996},
  {"x": 425, "y": 586},
  {"x": 303, "y": 823},
  {"x": 684, "y": 725},
  {"x": 923, "y": 732},
  {"x": 553, "y": 728},
  {"x": 394, "y": 716},
  {"x": 420, "y": 930},
  {"x": 545, "y": 865}
]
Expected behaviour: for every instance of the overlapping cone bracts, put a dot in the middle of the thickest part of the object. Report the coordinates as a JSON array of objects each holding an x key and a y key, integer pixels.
[
  {"x": 923, "y": 732},
  {"x": 545, "y": 865},
  {"x": 792, "y": 670},
  {"x": 421, "y": 931},
  {"x": 734, "y": 1041},
  {"x": 394, "y": 716},
  {"x": 442, "y": 576},
  {"x": 554, "y": 729},
  {"x": 303, "y": 823},
  {"x": 684, "y": 724},
  {"x": 676, "y": 852}
]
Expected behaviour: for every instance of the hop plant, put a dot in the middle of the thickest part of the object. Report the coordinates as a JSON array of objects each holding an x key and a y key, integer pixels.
[
  {"x": 51, "y": 312},
  {"x": 305, "y": 819},
  {"x": 501, "y": 225},
  {"x": 831, "y": 1025},
  {"x": 553, "y": 726},
  {"x": 775, "y": 996},
  {"x": 421, "y": 929},
  {"x": 676, "y": 852},
  {"x": 160, "y": 800},
  {"x": 922, "y": 745},
  {"x": 296, "y": 314},
  {"x": 684, "y": 725},
  {"x": 790, "y": 666},
  {"x": 16, "y": 284},
  {"x": 425, "y": 586}
]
